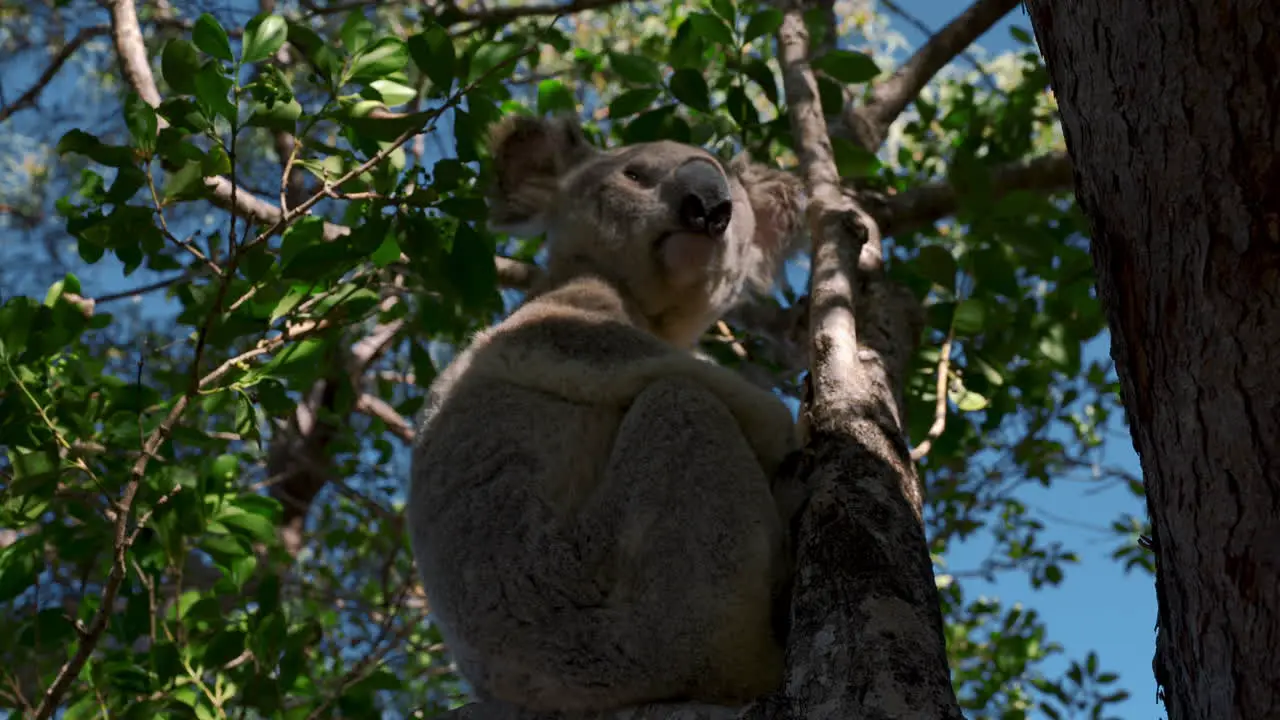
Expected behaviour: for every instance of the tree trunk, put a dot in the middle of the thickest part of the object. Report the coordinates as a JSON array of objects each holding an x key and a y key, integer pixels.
[{"x": 1171, "y": 112}]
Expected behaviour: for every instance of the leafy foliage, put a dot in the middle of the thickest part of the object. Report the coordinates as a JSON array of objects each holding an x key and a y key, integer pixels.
[{"x": 244, "y": 447}]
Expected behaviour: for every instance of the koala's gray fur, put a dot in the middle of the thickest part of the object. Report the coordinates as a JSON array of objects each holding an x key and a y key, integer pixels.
[{"x": 590, "y": 506}]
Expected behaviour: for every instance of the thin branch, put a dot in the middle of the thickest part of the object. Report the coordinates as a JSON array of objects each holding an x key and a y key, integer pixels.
[
  {"x": 940, "y": 405},
  {"x": 918, "y": 24},
  {"x": 29, "y": 98},
  {"x": 132, "y": 51},
  {"x": 833, "y": 358},
  {"x": 925, "y": 204},
  {"x": 869, "y": 123},
  {"x": 503, "y": 15},
  {"x": 376, "y": 407},
  {"x": 128, "y": 40}
]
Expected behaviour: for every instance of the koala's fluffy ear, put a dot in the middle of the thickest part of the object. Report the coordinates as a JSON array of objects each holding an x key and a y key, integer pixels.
[
  {"x": 530, "y": 156},
  {"x": 777, "y": 199}
]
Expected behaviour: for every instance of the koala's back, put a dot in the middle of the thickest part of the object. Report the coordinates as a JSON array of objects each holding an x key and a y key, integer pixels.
[{"x": 581, "y": 555}]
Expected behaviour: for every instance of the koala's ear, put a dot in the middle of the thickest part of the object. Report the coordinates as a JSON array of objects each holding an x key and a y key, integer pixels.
[
  {"x": 530, "y": 156},
  {"x": 777, "y": 199}
]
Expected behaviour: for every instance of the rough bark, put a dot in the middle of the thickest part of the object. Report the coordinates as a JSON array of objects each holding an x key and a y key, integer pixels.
[
  {"x": 1170, "y": 114},
  {"x": 866, "y": 635}
]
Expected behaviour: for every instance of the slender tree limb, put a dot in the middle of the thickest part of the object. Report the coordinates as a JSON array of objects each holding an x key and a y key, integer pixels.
[
  {"x": 918, "y": 24},
  {"x": 132, "y": 51},
  {"x": 29, "y": 98},
  {"x": 869, "y": 123},
  {"x": 511, "y": 273},
  {"x": 501, "y": 15},
  {"x": 926, "y": 204},
  {"x": 866, "y": 628},
  {"x": 940, "y": 405},
  {"x": 376, "y": 407}
]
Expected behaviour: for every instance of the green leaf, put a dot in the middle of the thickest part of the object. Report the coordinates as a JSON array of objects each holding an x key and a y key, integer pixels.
[
  {"x": 255, "y": 526},
  {"x": 759, "y": 72},
  {"x": 291, "y": 300},
  {"x": 223, "y": 648},
  {"x": 969, "y": 317},
  {"x": 635, "y": 68},
  {"x": 178, "y": 64},
  {"x": 318, "y": 52},
  {"x": 971, "y": 402},
  {"x": 489, "y": 57},
  {"x": 384, "y": 57},
  {"x": 1021, "y": 35},
  {"x": 216, "y": 162},
  {"x": 303, "y": 234},
  {"x": 279, "y": 116},
  {"x": 740, "y": 107},
  {"x": 209, "y": 36},
  {"x": 937, "y": 265},
  {"x": 212, "y": 88},
  {"x": 726, "y": 10},
  {"x": 20, "y": 564},
  {"x": 689, "y": 88},
  {"x": 184, "y": 117},
  {"x": 712, "y": 28},
  {"x": 387, "y": 253},
  {"x": 765, "y": 22},
  {"x": 187, "y": 182},
  {"x": 1053, "y": 574},
  {"x": 853, "y": 161},
  {"x": 847, "y": 66},
  {"x": 830, "y": 94},
  {"x": 141, "y": 120},
  {"x": 356, "y": 31},
  {"x": 299, "y": 355},
  {"x": 263, "y": 37},
  {"x": 553, "y": 96},
  {"x": 393, "y": 93},
  {"x": 82, "y": 143},
  {"x": 633, "y": 101},
  {"x": 432, "y": 51}
]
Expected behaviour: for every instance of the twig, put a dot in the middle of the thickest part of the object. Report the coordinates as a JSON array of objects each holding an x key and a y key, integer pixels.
[
  {"x": 940, "y": 404},
  {"x": 869, "y": 123},
  {"x": 28, "y": 99},
  {"x": 376, "y": 407},
  {"x": 158, "y": 285}
]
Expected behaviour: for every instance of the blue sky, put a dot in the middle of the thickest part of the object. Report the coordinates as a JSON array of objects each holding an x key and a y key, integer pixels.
[{"x": 1097, "y": 607}]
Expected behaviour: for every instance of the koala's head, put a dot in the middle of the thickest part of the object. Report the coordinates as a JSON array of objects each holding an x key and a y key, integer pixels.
[{"x": 679, "y": 234}]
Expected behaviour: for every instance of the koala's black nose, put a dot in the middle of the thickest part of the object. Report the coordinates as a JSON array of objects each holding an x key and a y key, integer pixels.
[
  {"x": 705, "y": 203},
  {"x": 696, "y": 215}
]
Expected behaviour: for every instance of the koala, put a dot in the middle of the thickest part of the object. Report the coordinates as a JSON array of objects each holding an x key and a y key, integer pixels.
[{"x": 590, "y": 504}]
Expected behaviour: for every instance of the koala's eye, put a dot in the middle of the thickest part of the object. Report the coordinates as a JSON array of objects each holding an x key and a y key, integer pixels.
[{"x": 631, "y": 174}]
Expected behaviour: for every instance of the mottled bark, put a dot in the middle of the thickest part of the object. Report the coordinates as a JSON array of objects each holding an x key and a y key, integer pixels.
[{"x": 1170, "y": 112}]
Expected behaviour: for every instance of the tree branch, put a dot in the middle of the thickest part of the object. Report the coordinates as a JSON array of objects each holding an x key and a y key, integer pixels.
[
  {"x": 511, "y": 273},
  {"x": 866, "y": 628},
  {"x": 869, "y": 123},
  {"x": 925, "y": 204},
  {"x": 915, "y": 22},
  {"x": 131, "y": 50},
  {"x": 28, "y": 99},
  {"x": 501, "y": 15}
]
